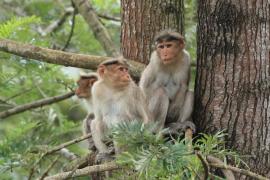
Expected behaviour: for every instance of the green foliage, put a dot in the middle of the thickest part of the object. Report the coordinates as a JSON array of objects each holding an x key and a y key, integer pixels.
[
  {"x": 156, "y": 157},
  {"x": 10, "y": 26}
]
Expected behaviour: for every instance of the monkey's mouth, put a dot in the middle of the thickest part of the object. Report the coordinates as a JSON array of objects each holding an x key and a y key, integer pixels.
[{"x": 166, "y": 61}]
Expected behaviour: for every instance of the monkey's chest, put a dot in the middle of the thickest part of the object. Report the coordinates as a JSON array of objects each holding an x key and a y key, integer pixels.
[
  {"x": 171, "y": 85},
  {"x": 116, "y": 111}
]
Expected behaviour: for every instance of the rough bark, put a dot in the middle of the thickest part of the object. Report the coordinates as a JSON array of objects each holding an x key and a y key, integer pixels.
[
  {"x": 87, "y": 11},
  {"x": 62, "y": 58},
  {"x": 232, "y": 88},
  {"x": 142, "y": 19}
]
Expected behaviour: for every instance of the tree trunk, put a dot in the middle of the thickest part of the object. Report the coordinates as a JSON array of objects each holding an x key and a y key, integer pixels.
[
  {"x": 142, "y": 19},
  {"x": 233, "y": 76}
]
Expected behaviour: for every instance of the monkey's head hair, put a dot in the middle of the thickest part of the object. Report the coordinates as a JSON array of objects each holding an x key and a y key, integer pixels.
[
  {"x": 85, "y": 75},
  {"x": 167, "y": 36},
  {"x": 116, "y": 61}
]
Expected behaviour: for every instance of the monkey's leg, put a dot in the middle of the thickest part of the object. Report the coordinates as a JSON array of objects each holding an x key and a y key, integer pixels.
[
  {"x": 87, "y": 129},
  {"x": 158, "y": 106},
  {"x": 180, "y": 111},
  {"x": 98, "y": 135}
]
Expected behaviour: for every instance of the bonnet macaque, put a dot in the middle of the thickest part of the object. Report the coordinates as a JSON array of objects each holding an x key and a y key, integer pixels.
[
  {"x": 116, "y": 99},
  {"x": 165, "y": 83},
  {"x": 83, "y": 91}
]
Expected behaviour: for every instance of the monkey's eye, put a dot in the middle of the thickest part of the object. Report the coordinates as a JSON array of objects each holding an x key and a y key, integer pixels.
[
  {"x": 160, "y": 46},
  {"x": 123, "y": 69},
  {"x": 168, "y": 45}
]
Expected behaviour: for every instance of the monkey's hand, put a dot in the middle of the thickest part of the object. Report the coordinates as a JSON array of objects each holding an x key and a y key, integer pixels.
[
  {"x": 103, "y": 157},
  {"x": 179, "y": 127}
]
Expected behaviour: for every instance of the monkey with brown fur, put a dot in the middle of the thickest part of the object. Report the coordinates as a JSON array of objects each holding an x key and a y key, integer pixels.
[
  {"x": 116, "y": 99},
  {"x": 165, "y": 83},
  {"x": 83, "y": 91}
]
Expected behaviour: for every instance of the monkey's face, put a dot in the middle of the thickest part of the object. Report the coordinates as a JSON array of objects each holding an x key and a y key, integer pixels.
[
  {"x": 84, "y": 86},
  {"x": 118, "y": 75},
  {"x": 168, "y": 51}
]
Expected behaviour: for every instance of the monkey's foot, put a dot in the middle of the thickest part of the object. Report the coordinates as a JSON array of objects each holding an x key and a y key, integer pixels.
[{"x": 180, "y": 127}]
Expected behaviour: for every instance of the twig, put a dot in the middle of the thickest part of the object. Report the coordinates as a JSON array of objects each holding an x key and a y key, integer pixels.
[
  {"x": 57, "y": 148},
  {"x": 56, "y": 24},
  {"x": 85, "y": 171},
  {"x": 80, "y": 162},
  {"x": 35, "y": 104},
  {"x": 204, "y": 163},
  {"x": 108, "y": 17},
  {"x": 49, "y": 168},
  {"x": 19, "y": 94},
  {"x": 238, "y": 170},
  {"x": 72, "y": 27},
  {"x": 74, "y": 141}
]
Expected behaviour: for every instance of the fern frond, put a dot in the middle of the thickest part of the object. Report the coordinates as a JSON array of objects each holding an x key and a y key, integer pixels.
[{"x": 13, "y": 24}]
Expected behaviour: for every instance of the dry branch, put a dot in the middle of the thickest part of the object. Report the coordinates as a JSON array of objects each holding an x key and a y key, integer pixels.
[
  {"x": 57, "y": 23},
  {"x": 227, "y": 173},
  {"x": 108, "y": 17},
  {"x": 60, "y": 57},
  {"x": 57, "y": 148},
  {"x": 238, "y": 170},
  {"x": 85, "y": 171},
  {"x": 36, "y": 104},
  {"x": 86, "y": 9}
]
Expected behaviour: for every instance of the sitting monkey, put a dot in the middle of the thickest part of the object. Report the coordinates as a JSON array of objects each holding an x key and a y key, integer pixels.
[
  {"x": 116, "y": 99},
  {"x": 165, "y": 83},
  {"x": 83, "y": 91}
]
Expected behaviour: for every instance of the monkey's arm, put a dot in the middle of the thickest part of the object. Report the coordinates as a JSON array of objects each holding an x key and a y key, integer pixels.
[
  {"x": 97, "y": 129},
  {"x": 147, "y": 78}
]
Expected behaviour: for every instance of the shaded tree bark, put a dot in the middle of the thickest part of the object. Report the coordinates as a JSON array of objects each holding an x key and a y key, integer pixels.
[
  {"x": 142, "y": 19},
  {"x": 233, "y": 73}
]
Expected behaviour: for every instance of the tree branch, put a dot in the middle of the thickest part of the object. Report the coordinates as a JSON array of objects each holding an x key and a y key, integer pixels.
[
  {"x": 74, "y": 141},
  {"x": 86, "y": 9},
  {"x": 108, "y": 17},
  {"x": 238, "y": 170},
  {"x": 57, "y": 23},
  {"x": 48, "y": 169},
  {"x": 85, "y": 171},
  {"x": 32, "y": 105},
  {"x": 227, "y": 173},
  {"x": 204, "y": 163},
  {"x": 60, "y": 57},
  {"x": 71, "y": 31}
]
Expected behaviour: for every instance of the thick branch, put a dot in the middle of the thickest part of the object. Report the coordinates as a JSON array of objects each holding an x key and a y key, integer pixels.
[
  {"x": 85, "y": 171},
  {"x": 87, "y": 11},
  {"x": 39, "y": 103},
  {"x": 60, "y": 57},
  {"x": 227, "y": 173}
]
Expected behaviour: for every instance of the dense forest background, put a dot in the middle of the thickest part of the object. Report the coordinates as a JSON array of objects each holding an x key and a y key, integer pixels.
[{"x": 96, "y": 29}]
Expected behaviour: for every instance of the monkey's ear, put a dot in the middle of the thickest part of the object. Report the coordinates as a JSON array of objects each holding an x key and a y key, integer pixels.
[
  {"x": 101, "y": 70},
  {"x": 181, "y": 44}
]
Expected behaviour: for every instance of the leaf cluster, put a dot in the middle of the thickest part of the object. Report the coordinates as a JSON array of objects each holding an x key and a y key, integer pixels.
[{"x": 154, "y": 156}]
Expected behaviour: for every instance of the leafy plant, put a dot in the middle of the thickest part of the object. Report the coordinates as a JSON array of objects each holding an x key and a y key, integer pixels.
[
  {"x": 156, "y": 157},
  {"x": 10, "y": 26}
]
